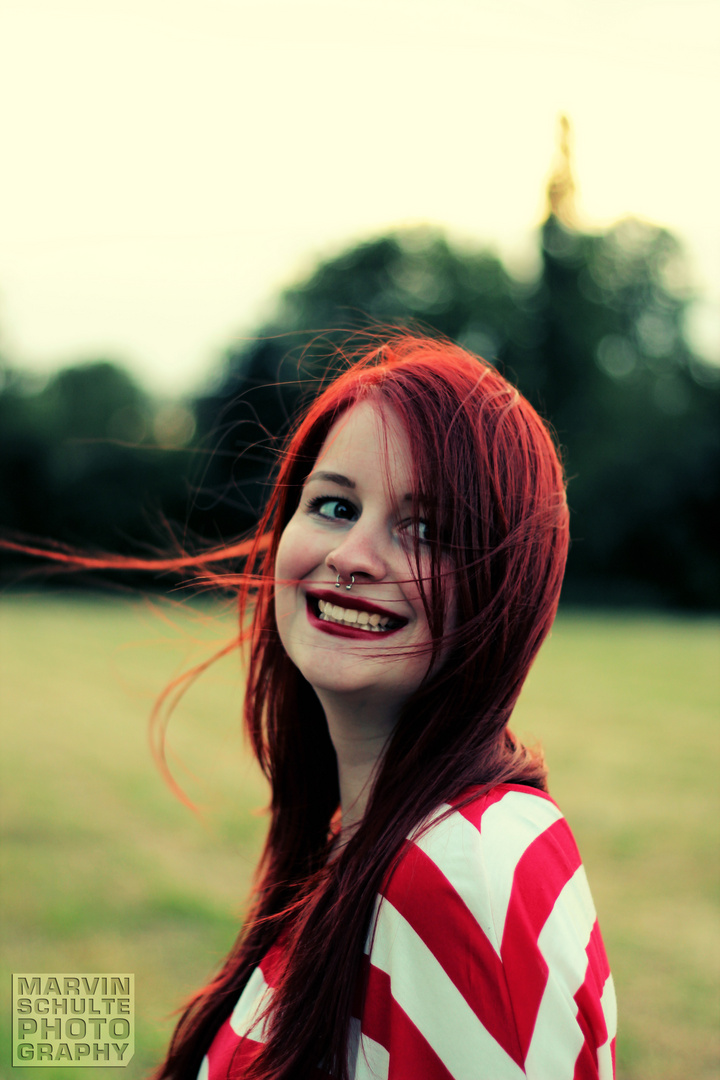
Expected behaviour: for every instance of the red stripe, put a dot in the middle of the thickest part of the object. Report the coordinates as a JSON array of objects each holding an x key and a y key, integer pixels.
[
  {"x": 246, "y": 1052},
  {"x": 272, "y": 962},
  {"x": 540, "y": 876},
  {"x": 439, "y": 916},
  {"x": 586, "y": 1066},
  {"x": 591, "y": 1018},
  {"x": 229, "y": 1055},
  {"x": 376, "y": 1010},
  {"x": 411, "y": 1056},
  {"x": 597, "y": 957}
]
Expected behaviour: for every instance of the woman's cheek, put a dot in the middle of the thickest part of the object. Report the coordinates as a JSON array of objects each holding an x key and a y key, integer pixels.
[{"x": 294, "y": 558}]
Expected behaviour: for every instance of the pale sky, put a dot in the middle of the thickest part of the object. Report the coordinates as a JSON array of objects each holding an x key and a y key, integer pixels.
[{"x": 167, "y": 165}]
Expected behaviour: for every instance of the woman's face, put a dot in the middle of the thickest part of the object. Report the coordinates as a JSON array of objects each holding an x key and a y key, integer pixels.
[{"x": 355, "y": 519}]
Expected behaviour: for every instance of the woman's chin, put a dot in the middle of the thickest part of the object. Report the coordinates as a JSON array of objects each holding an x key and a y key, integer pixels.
[{"x": 370, "y": 701}]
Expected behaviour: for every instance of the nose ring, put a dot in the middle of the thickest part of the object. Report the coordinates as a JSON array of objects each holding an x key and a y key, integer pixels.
[{"x": 352, "y": 582}]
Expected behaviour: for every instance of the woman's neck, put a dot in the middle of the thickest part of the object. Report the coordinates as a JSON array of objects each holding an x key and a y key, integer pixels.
[{"x": 359, "y": 736}]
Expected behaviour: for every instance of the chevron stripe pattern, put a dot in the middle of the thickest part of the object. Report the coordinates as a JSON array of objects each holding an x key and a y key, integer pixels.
[{"x": 484, "y": 962}]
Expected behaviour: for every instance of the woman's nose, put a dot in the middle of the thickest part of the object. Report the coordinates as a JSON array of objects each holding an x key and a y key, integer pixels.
[{"x": 360, "y": 553}]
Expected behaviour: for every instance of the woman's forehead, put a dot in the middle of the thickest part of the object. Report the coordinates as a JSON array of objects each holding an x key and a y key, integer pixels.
[{"x": 368, "y": 440}]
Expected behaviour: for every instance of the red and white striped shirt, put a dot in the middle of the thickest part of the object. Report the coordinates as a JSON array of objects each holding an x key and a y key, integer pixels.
[{"x": 484, "y": 961}]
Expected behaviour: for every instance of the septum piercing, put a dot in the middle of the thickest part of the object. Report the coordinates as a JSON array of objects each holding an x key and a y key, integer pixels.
[{"x": 352, "y": 582}]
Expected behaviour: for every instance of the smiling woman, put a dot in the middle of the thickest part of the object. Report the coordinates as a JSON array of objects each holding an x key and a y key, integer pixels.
[
  {"x": 421, "y": 910},
  {"x": 353, "y": 526}
]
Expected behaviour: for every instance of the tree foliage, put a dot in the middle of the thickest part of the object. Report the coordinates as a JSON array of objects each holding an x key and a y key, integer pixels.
[
  {"x": 597, "y": 343},
  {"x": 80, "y": 461}
]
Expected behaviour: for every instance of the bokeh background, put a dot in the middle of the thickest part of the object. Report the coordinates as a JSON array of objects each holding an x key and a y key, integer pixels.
[{"x": 198, "y": 202}]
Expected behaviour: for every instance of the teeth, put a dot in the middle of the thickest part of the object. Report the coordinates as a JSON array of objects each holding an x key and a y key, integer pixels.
[{"x": 351, "y": 617}]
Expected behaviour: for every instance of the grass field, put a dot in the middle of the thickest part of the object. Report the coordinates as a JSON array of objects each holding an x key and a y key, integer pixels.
[{"x": 103, "y": 870}]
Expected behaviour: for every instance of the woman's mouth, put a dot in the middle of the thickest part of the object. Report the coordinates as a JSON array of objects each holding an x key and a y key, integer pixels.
[
  {"x": 364, "y": 620},
  {"x": 356, "y": 620}
]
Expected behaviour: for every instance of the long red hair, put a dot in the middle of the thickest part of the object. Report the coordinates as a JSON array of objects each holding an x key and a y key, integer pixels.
[{"x": 498, "y": 512}]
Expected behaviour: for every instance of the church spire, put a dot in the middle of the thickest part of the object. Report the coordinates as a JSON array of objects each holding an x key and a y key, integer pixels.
[{"x": 561, "y": 185}]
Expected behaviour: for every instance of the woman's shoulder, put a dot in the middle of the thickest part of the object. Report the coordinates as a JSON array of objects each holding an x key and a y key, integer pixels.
[
  {"x": 495, "y": 827},
  {"x": 484, "y": 849},
  {"x": 486, "y": 938},
  {"x": 509, "y": 805}
]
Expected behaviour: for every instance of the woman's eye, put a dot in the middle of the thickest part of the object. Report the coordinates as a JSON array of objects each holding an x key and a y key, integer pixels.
[
  {"x": 332, "y": 508},
  {"x": 418, "y": 528}
]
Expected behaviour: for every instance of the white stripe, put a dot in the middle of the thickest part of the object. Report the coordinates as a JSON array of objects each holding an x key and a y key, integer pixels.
[
  {"x": 367, "y": 1059},
  {"x": 480, "y": 864},
  {"x": 433, "y": 1003},
  {"x": 204, "y": 1071},
  {"x": 605, "y": 1062},
  {"x": 557, "y": 1039},
  {"x": 609, "y": 1007},
  {"x": 252, "y": 1001}
]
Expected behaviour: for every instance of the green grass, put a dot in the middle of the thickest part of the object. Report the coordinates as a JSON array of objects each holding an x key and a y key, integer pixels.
[{"x": 104, "y": 870}]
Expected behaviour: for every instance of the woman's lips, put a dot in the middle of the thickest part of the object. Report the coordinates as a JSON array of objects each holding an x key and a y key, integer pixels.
[
  {"x": 342, "y": 598},
  {"x": 351, "y": 630}
]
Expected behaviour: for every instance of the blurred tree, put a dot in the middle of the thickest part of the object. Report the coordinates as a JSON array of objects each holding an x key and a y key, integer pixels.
[
  {"x": 79, "y": 461},
  {"x": 637, "y": 411}
]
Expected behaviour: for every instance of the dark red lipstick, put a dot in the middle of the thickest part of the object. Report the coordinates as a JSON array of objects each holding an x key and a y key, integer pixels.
[{"x": 353, "y": 603}]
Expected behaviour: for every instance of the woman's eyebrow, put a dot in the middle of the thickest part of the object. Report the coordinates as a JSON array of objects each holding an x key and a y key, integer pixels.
[
  {"x": 332, "y": 478},
  {"x": 345, "y": 481}
]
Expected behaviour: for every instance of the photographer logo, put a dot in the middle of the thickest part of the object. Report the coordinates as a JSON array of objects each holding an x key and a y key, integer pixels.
[{"x": 73, "y": 1020}]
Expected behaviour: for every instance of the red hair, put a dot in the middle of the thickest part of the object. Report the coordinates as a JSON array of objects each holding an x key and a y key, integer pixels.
[{"x": 492, "y": 487}]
